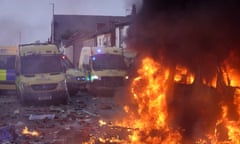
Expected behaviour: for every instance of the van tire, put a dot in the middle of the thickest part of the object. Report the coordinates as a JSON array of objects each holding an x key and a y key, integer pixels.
[
  {"x": 63, "y": 100},
  {"x": 72, "y": 91},
  {"x": 20, "y": 98},
  {"x": 17, "y": 93}
]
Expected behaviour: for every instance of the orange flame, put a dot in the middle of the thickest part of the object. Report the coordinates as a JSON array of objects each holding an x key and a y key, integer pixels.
[
  {"x": 183, "y": 75},
  {"x": 25, "y": 131},
  {"x": 149, "y": 90},
  {"x": 231, "y": 77},
  {"x": 148, "y": 117},
  {"x": 232, "y": 127},
  {"x": 102, "y": 122},
  {"x": 232, "y": 73}
]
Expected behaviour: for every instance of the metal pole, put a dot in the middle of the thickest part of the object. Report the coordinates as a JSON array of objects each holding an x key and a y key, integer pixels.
[
  {"x": 52, "y": 27},
  {"x": 19, "y": 38}
]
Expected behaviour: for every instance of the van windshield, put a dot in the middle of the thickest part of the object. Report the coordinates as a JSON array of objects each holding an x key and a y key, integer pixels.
[
  {"x": 41, "y": 64},
  {"x": 7, "y": 61},
  {"x": 108, "y": 61}
]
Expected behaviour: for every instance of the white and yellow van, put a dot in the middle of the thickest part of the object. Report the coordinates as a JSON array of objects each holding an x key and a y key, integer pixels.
[
  {"x": 7, "y": 67},
  {"x": 104, "y": 68},
  {"x": 40, "y": 76}
]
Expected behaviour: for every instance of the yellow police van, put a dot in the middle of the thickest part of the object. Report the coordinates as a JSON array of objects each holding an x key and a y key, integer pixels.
[
  {"x": 105, "y": 68},
  {"x": 40, "y": 75},
  {"x": 7, "y": 67},
  {"x": 76, "y": 81}
]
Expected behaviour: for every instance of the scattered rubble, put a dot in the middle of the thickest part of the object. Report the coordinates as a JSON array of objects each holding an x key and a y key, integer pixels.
[{"x": 75, "y": 123}]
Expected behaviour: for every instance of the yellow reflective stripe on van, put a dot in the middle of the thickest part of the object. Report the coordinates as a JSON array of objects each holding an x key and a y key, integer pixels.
[{"x": 3, "y": 74}]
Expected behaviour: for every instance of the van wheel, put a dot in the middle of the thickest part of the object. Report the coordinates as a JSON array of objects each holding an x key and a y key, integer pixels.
[
  {"x": 20, "y": 97},
  {"x": 88, "y": 87},
  {"x": 63, "y": 100},
  {"x": 18, "y": 93},
  {"x": 22, "y": 100}
]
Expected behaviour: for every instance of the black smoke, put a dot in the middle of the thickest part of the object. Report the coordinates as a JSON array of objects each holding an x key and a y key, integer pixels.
[{"x": 196, "y": 33}]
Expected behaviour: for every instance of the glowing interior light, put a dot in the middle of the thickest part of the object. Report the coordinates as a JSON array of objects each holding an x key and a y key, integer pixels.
[{"x": 93, "y": 58}]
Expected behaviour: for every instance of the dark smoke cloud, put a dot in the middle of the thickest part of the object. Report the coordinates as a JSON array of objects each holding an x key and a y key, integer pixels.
[{"x": 196, "y": 33}]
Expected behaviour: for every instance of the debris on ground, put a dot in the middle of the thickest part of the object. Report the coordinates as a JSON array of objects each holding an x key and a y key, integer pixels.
[{"x": 75, "y": 123}]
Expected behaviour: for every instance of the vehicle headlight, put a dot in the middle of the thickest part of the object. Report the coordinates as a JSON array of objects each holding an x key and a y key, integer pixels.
[
  {"x": 25, "y": 86},
  {"x": 80, "y": 78},
  {"x": 76, "y": 78},
  {"x": 126, "y": 77},
  {"x": 95, "y": 77}
]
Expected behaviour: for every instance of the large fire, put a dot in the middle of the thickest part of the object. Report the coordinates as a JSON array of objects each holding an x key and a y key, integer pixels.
[
  {"x": 149, "y": 115},
  {"x": 192, "y": 96}
]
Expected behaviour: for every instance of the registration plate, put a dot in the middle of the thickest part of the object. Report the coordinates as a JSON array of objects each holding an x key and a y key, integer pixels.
[{"x": 46, "y": 97}]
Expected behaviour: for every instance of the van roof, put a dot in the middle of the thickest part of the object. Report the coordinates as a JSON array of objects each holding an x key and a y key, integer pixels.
[{"x": 35, "y": 49}]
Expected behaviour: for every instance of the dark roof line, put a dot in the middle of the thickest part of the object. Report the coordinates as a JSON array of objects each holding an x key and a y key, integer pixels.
[{"x": 87, "y": 15}]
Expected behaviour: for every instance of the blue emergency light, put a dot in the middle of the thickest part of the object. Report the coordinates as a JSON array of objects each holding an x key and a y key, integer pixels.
[{"x": 99, "y": 50}]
